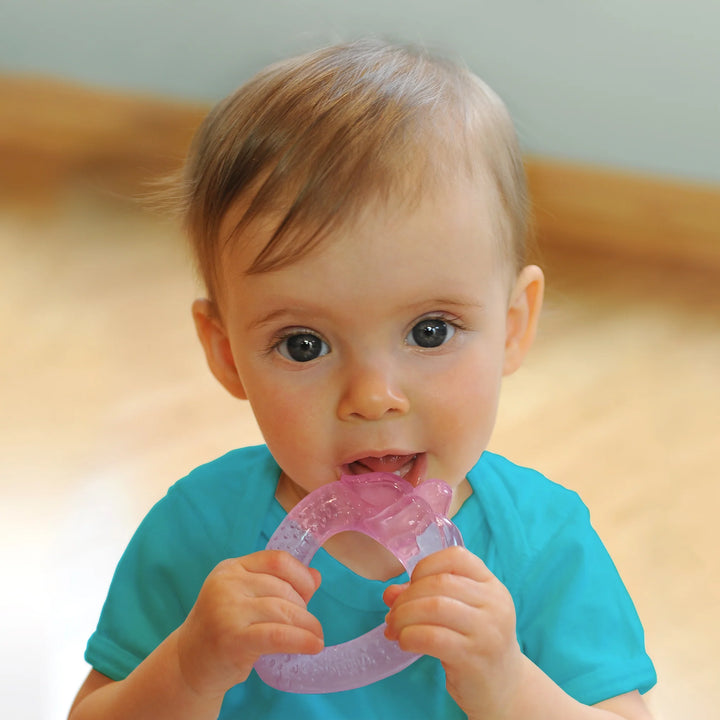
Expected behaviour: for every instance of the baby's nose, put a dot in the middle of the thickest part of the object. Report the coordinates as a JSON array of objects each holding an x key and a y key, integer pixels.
[{"x": 371, "y": 392}]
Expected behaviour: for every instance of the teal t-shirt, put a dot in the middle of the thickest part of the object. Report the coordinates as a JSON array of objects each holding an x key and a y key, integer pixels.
[{"x": 575, "y": 619}]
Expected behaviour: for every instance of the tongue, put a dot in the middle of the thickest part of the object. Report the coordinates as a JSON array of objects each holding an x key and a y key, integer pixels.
[{"x": 389, "y": 463}]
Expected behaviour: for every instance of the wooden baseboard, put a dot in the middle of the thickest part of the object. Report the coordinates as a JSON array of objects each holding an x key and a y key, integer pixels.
[
  {"x": 55, "y": 135},
  {"x": 656, "y": 219},
  {"x": 58, "y": 137}
]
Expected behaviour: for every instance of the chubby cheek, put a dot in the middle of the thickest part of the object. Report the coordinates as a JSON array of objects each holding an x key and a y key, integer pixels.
[
  {"x": 293, "y": 423},
  {"x": 465, "y": 413}
]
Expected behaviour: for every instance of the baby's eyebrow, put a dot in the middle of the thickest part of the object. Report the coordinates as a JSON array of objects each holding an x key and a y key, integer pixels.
[
  {"x": 457, "y": 302},
  {"x": 291, "y": 313},
  {"x": 268, "y": 318}
]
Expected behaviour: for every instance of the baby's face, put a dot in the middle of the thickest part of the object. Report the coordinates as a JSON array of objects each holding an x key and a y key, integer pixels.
[{"x": 382, "y": 349}]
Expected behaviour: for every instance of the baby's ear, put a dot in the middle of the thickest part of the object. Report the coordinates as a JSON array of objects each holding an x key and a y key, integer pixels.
[
  {"x": 216, "y": 345},
  {"x": 522, "y": 318}
]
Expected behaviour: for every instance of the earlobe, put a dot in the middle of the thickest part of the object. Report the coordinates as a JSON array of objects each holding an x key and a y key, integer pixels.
[
  {"x": 522, "y": 318},
  {"x": 216, "y": 345}
]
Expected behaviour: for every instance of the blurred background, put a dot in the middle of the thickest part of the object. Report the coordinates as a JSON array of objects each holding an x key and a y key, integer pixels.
[{"x": 104, "y": 397}]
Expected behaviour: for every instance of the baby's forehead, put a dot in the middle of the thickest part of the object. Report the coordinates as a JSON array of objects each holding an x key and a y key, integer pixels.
[{"x": 245, "y": 243}]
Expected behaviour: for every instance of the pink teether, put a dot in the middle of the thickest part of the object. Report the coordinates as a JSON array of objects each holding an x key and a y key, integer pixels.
[{"x": 410, "y": 522}]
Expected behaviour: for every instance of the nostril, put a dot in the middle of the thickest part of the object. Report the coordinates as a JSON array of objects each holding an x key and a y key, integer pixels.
[
  {"x": 373, "y": 407},
  {"x": 372, "y": 392}
]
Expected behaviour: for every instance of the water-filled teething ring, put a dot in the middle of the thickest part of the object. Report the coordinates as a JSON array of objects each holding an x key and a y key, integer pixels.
[{"x": 410, "y": 522}]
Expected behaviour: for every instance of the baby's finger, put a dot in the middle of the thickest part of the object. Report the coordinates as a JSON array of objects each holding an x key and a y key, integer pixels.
[
  {"x": 270, "y": 639},
  {"x": 277, "y": 628},
  {"x": 453, "y": 560},
  {"x": 262, "y": 585},
  {"x": 277, "y": 612},
  {"x": 279, "y": 564},
  {"x": 432, "y": 612},
  {"x": 458, "y": 587},
  {"x": 391, "y": 593}
]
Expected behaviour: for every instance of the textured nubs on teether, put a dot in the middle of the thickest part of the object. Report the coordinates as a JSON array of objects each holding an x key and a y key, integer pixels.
[
  {"x": 338, "y": 667},
  {"x": 295, "y": 539}
]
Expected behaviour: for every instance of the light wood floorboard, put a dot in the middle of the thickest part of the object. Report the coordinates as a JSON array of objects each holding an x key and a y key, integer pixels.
[{"x": 106, "y": 401}]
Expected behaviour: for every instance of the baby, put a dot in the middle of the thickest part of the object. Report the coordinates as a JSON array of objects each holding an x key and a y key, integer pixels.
[{"x": 359, "y": 217}]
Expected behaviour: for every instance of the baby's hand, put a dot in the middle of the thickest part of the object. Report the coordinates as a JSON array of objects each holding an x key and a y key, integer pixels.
[
  {"x": 247, "y": 607},
  {"x": 456, "y": 610}
]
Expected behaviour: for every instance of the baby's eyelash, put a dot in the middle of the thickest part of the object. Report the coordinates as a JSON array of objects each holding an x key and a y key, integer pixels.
[
  {"x": 453, "y": 320},
  {"x": 299, "y": 345},
  {"x": 433, "y": 331},
  {"x": 277, "y": 339},
  {"x": 280, "y": 337}
]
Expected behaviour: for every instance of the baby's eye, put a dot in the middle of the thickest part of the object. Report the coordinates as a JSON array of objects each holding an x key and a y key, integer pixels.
[
  {"x": 430, "y": 333},
  {"x": 302, "y": 347}
]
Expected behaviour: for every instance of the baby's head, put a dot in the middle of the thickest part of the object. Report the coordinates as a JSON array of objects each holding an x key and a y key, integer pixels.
[
  {"x": 359, "y": 218},
  {"x": 310, "y": 142}
]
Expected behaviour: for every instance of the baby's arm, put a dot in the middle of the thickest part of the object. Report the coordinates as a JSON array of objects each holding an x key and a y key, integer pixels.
[
  {"x": 456, "y": 610},
  {"x": 247, "y": 607}
]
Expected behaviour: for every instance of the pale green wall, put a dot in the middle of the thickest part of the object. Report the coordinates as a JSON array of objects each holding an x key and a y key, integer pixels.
[{"x": 629, "y": 83}]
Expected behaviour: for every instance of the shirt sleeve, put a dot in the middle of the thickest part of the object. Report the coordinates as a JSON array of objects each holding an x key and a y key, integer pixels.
[
  {"x": 576, "y": 620},
  {"x": 154, "y": 586}
]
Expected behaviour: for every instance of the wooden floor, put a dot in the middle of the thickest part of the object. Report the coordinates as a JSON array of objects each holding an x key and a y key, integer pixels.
[{"x": 106, "y": 401}]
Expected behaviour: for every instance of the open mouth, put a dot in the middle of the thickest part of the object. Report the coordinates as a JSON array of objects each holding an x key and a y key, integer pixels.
[{"x": 409, "y": 467}]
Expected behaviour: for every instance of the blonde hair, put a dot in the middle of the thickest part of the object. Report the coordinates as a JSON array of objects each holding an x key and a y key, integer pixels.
[{"x": 312, "y": 140}]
